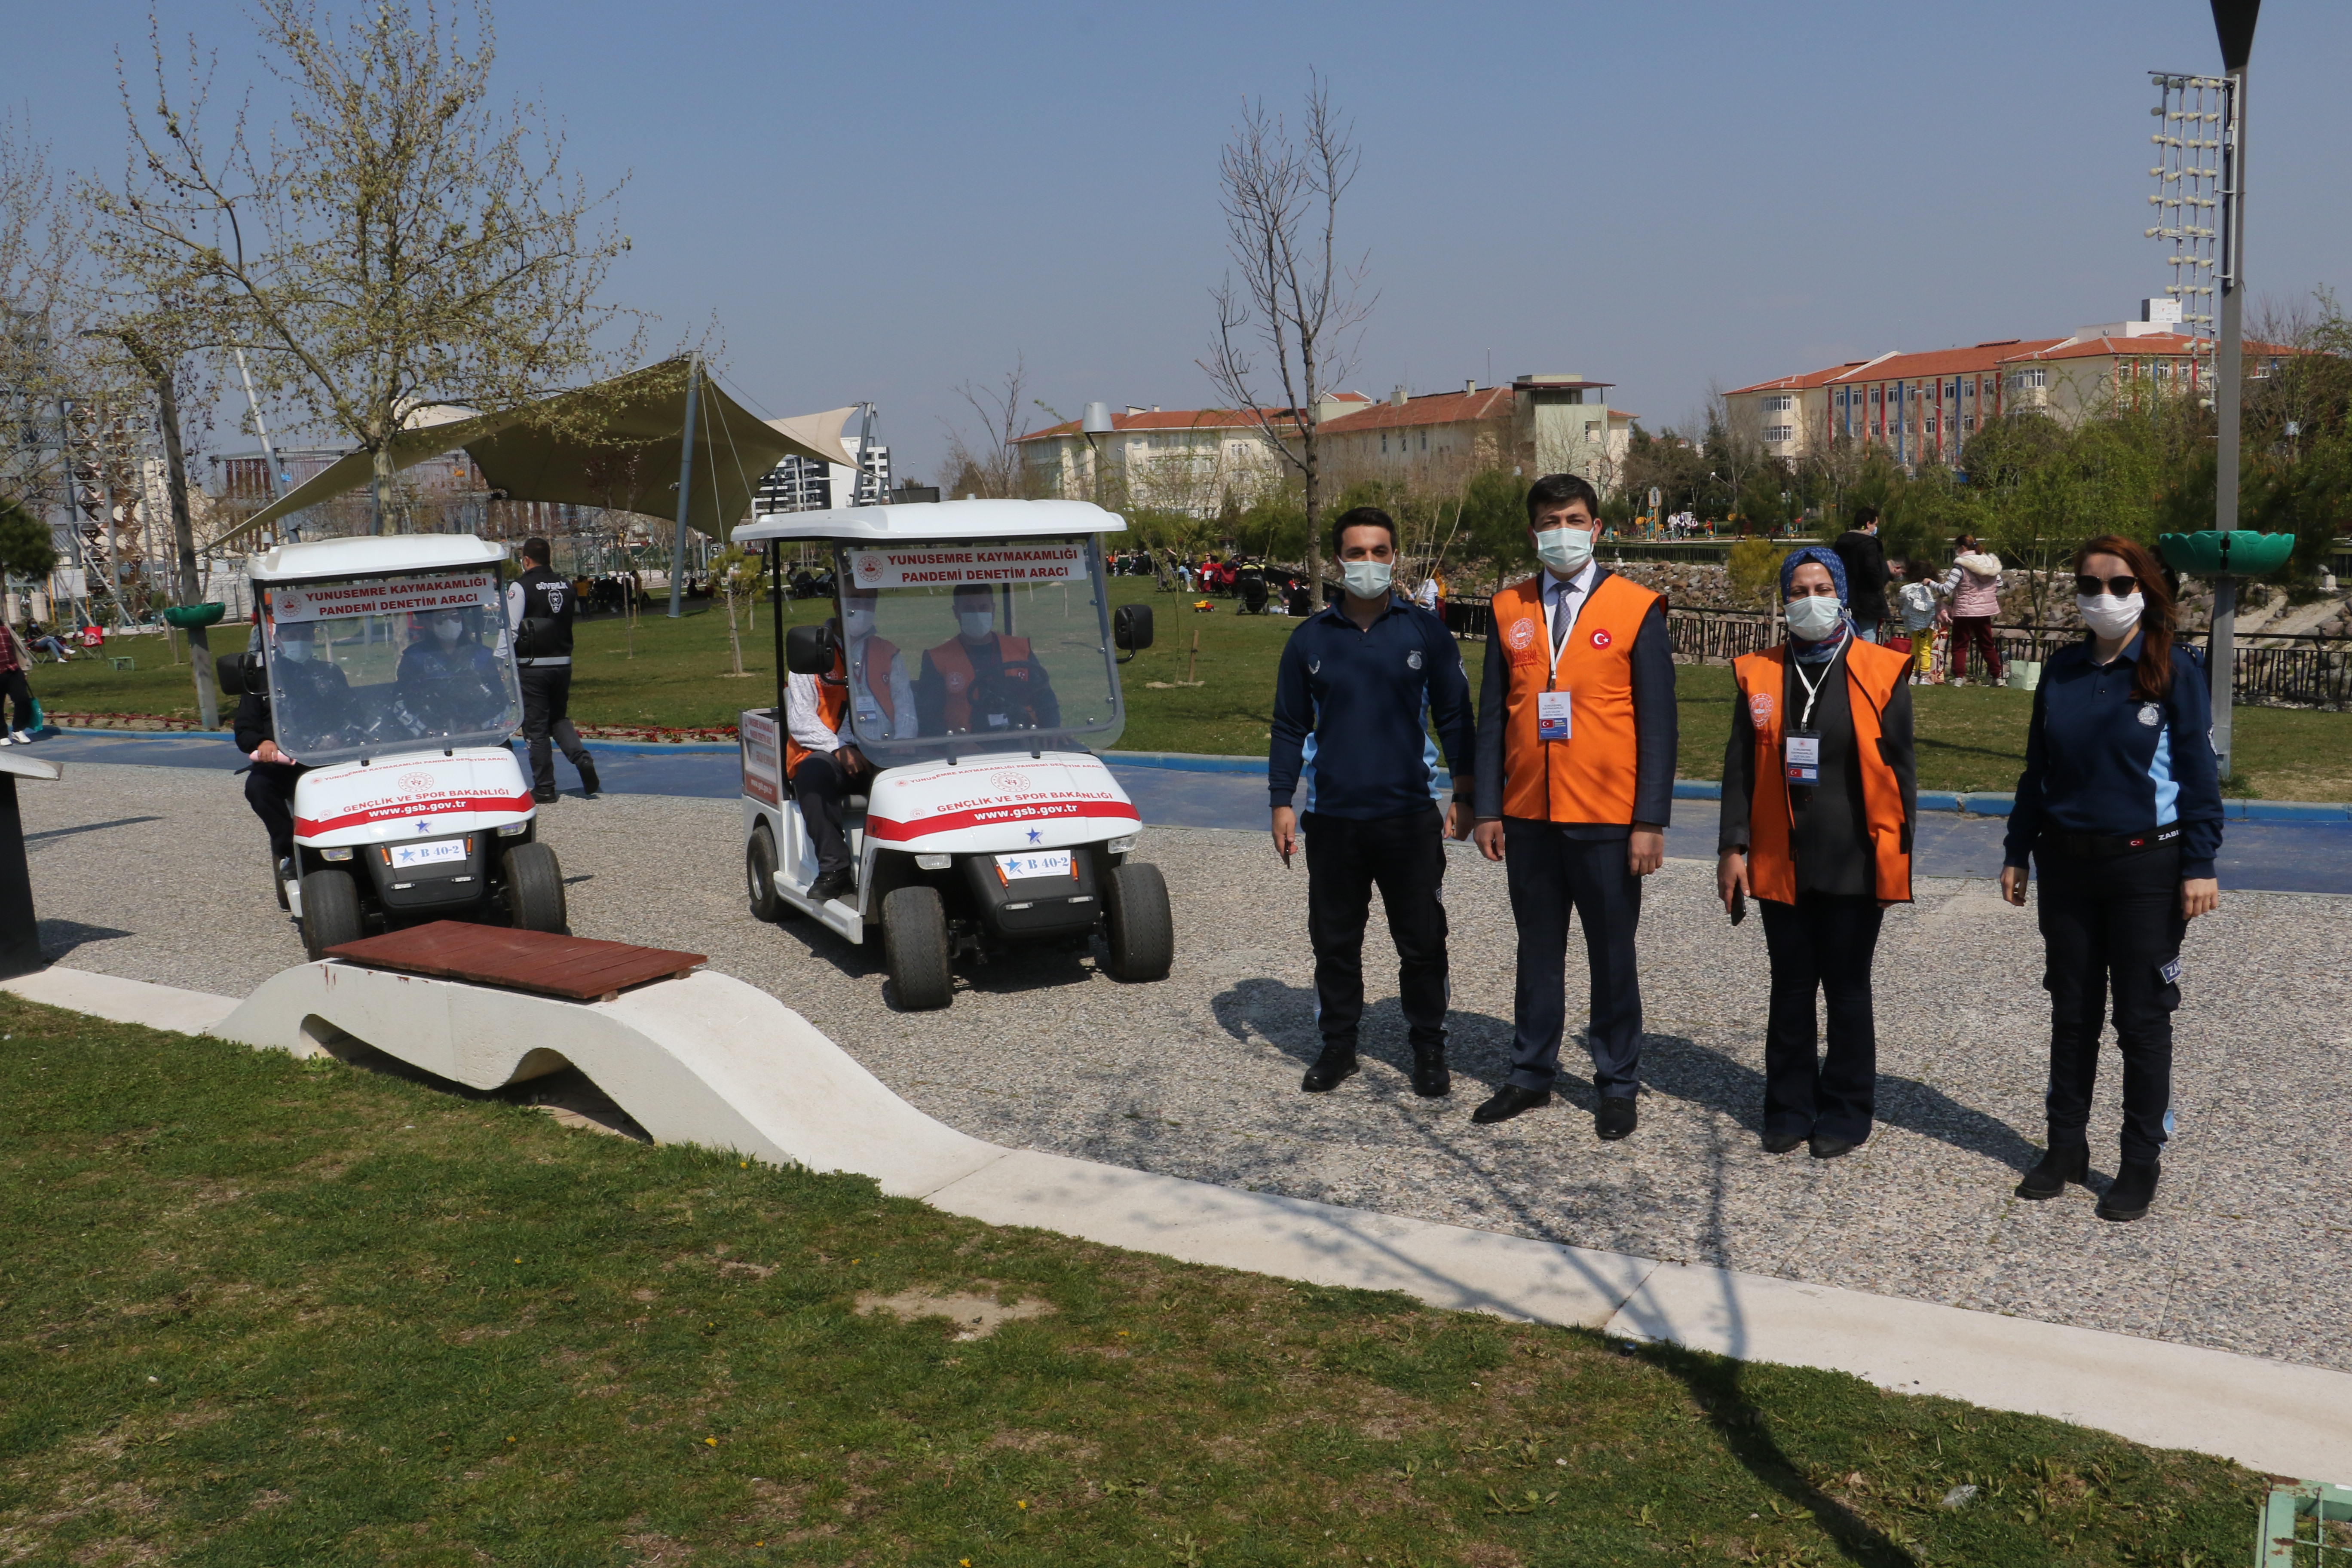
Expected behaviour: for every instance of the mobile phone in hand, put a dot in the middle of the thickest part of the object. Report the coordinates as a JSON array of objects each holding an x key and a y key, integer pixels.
[{"x": 1738, "y": 905}]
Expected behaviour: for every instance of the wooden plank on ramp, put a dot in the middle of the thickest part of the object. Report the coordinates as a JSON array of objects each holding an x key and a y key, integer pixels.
[{"x": 576, "y": 968}]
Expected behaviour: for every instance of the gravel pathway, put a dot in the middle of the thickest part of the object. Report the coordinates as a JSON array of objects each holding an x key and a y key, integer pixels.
[{"x": 1198, "y": 1076}]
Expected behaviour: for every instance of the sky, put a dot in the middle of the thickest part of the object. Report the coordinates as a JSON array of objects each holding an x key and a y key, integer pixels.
[{"x": 891, "y": 200}]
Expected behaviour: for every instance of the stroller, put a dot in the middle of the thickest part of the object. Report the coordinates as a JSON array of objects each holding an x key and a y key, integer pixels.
[{"x": 1251, "y": 592}]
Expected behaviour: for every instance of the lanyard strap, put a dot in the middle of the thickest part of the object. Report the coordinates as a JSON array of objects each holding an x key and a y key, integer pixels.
[{"x": 1813, "y": 688}]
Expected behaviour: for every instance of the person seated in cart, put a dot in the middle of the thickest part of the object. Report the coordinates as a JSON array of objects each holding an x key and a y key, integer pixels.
[
  {"x": 982, "y": 679},
  {"x": 447, "y": 681},
  {"x": 821, "y": 755},
  {"x": 318, "y": 701}
]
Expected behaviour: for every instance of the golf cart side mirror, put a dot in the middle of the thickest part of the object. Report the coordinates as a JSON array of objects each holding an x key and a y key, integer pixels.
[
  {"x": 234, "y": 669},
  {"x": 1130, "y": 627},
  {"x": 808, "y": 650}
]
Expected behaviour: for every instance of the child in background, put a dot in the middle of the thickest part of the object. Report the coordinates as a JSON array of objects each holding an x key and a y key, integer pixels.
[{"x": 1919, "y": 597}]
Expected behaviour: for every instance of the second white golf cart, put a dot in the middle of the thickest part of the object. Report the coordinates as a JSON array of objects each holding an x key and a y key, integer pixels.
[
  {"x": 392, "y": 679},
  {"x": 976, "y": 678}
]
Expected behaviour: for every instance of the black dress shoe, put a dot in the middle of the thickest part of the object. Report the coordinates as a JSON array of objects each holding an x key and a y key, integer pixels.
[
  {"x": 1830, "y": 1147},
  {"x": 1335, "y": 1067},
  {"x": 1509, "y": 1101},
  {"x": 1615, "y": 1117},
  {"x": 544, "y": 795},
  {"x": 589, "y": 785},
  {"x": 1781, "y": 1143},
  {"x": 2134, "y": 1190},
  {"x": 2058, "y": 1166},
  {"x": 829, "y": 886},
  {"x": 1430, "y": 1078}
]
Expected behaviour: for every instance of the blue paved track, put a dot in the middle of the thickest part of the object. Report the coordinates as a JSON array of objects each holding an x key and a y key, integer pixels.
[{"x": 2289, "y": 856}]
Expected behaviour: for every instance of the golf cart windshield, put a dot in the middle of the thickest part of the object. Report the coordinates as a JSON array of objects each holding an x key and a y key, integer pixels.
[
  {"x": 978, "y": 645},
  {"x": 369, "y": 667}
]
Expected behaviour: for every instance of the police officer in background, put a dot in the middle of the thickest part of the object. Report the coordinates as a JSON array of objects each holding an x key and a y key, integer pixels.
[
  {"x": 539, "y": 611},
  {"x": 2119, "y": 810},
  {"x": 1577, "y": 731}
]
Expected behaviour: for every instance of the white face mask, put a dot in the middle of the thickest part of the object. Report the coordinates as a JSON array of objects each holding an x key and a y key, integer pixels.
[
  {"x": 2109, "y": 616},
  {"x": 1368, "y": 579},
  {"x": 976, "y": 623},
  {"x": 294, "y": 651},
  {"x": 857, "y": 623},
  {"x": 448, "y": 631},
  {"x": 1564, "y": 550},
  {"x": 1814, "y": 617}
]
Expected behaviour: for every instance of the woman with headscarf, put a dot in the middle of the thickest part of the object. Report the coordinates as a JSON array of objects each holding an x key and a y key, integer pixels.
[
  {"x": 2119, "y": 812},
  {"x": 1819, "y": 799}
]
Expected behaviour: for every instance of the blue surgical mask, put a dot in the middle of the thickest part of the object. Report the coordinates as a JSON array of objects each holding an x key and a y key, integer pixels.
[
  {"x": 1814, "y": 617},
  {"x": 1368, "y": 579},
  {"x": 1564, "y": 550},
  {"x": 294, "y": 650},
  {"x": 976, "y": 623},
  {"x": 858, "y": 622}
]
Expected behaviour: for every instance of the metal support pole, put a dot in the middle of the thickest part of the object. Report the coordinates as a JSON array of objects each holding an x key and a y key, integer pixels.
[
  {"x": 685, "y": 488},
  {"x": 2228, "y": 383},
  {"x": 776, "y": 616}
]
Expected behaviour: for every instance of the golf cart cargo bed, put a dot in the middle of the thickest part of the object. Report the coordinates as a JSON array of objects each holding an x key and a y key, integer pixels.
[{"x": 576, "y": 968}]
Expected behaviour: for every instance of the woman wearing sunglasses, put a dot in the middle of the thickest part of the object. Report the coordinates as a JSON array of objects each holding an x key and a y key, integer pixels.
[{"x": 2120, "y": 812}]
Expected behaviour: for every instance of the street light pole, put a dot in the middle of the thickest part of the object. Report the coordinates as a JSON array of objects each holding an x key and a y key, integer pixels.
[
  {"x": 685, "y": 488},
  {"x": 2234, "y": 22}
]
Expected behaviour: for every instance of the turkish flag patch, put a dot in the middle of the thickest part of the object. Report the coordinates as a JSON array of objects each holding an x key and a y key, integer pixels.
[{"x": 1600, "y": 639}]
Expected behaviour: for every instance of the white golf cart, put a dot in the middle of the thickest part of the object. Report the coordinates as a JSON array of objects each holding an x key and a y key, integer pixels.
[
  {"x": 976, "y": 680},
  {"x": 390, "y": 674}
]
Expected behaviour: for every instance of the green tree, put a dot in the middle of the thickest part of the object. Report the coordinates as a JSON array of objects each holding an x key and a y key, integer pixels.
[{"x": 27, "y": 546}]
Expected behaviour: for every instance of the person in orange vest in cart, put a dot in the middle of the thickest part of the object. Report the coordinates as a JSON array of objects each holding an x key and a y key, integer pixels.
[
  {"x": 868, "y": 680},
  {"x": 983, "y": 679},
  {"x": 1575, "y": 784},
  {"x": 1819, "y": 798}
]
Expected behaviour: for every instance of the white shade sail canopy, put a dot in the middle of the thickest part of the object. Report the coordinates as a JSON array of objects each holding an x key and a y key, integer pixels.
[{"x": 615, "y": 444}]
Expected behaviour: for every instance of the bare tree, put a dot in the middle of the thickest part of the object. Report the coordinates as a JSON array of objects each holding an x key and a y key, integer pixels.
[
  {"x": 1293, "y": 300},
  {"x": 411, "y": 242},
  {"x": 38, "y": 244},
  {"x": 991, "y": 467}
]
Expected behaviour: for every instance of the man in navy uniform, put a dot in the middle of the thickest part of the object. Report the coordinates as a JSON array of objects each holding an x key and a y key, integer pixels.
[{"x": 539, "y": 611}]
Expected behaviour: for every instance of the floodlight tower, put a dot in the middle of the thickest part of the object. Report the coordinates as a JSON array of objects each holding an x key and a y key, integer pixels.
[
  {"x": 1098, "y": 422},
  {"x": 2201, "y": 197}
]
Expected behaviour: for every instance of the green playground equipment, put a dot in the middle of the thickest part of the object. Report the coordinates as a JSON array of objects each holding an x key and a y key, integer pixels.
[{"x": 2238, "y": 551}]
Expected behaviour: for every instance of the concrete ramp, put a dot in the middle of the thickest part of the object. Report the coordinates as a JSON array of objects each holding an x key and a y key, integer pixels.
[{"x": 706, "y": 1059}]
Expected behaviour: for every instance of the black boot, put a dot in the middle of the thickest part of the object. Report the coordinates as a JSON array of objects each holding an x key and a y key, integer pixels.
[
  {"x": 2134, "y": 1190},
  {"x": 588, "y": 784},
  {"x": 1333, "y": 1068},
  {"x": 2060, "y": 1164},
  {"x": 1430, "y": 1078}
]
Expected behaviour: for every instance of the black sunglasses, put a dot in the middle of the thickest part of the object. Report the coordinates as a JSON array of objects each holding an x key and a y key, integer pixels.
[{"x": 2091, "y": 587}]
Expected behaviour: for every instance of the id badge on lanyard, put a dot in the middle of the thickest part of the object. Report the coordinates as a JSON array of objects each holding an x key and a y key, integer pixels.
[
  {"x": 1802, "y": 753},
  {"x": 1553, "y": 722}
]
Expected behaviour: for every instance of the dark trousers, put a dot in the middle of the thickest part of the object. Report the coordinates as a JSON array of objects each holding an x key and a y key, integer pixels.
[
  {"x": 546, "y": 697},
  {"x": 1549, "y": 875},
  {"x": 1405, "y": 856},
  {"x": 2111, "y": 925},
  {"x": 1821, "y": 944},
  {"x": 1975, "y": 629},
  {"x": 16, "y": 689},
  {"x": 823, "y": 790},
  {"x": 269, "y": 790}
]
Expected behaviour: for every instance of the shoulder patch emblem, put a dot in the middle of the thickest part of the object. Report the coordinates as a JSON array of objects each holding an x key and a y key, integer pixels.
[
  {"x": 1412, "y": 659},
  {"x": 2150, "y": 714},
  {"x": 1759, "y": 708},
  {"x": 1600, "y": 639},
  {"x": 1313, "y": 666},
  {"x": 1522, "y": 633}
]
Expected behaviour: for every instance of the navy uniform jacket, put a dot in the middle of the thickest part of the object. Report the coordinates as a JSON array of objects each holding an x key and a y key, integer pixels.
[
  {"x": 2097, "y": 762},
  {"x": 1353, "y": 707}
]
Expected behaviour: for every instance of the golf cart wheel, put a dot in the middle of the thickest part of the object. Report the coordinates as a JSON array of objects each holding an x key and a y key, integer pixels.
[
  {"x": 914, "y": 947},
  {"x": 535, "y": 890},
  {"x": 331, "y": 912},
  {"x": 1142, "y": 935},
  {"x": 759, "y": 875}
]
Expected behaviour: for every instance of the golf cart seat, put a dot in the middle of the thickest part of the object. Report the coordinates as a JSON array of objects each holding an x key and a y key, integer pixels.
[{"x": 852, "y": 802}]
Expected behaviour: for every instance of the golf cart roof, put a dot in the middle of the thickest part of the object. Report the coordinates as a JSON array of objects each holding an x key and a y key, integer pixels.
[
  {"x": 369, "y": 555},
  {"x": 917, "y": 522}
]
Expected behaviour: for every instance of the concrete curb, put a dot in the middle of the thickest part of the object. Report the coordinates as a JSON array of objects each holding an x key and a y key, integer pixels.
[{"x": 713, "y": 1061}]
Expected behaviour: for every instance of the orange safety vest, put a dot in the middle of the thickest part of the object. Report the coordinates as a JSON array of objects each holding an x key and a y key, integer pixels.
[
  {"x": 955, "y": 665},
  {"x": 1872, "y": 673},
  {"x": 832, "y": 695},
  {"x": 1589, "y": 777}
]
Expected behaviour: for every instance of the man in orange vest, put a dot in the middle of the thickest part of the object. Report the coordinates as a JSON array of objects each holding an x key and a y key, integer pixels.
[
  {"x": 983, "y": 679},
  {"x": 1819, "y": 799},
  {"x": 867, "y": 691},
  {"x": 1576, "y": 781}
]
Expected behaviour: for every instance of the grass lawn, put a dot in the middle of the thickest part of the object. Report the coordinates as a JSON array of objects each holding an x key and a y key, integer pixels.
[
  {"x": 672, "y": 673},
  {"x": 259, "y": 1311}
]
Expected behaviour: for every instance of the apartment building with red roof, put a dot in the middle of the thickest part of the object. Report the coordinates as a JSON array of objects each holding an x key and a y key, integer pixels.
[{"x": 1923, "y": 407}]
